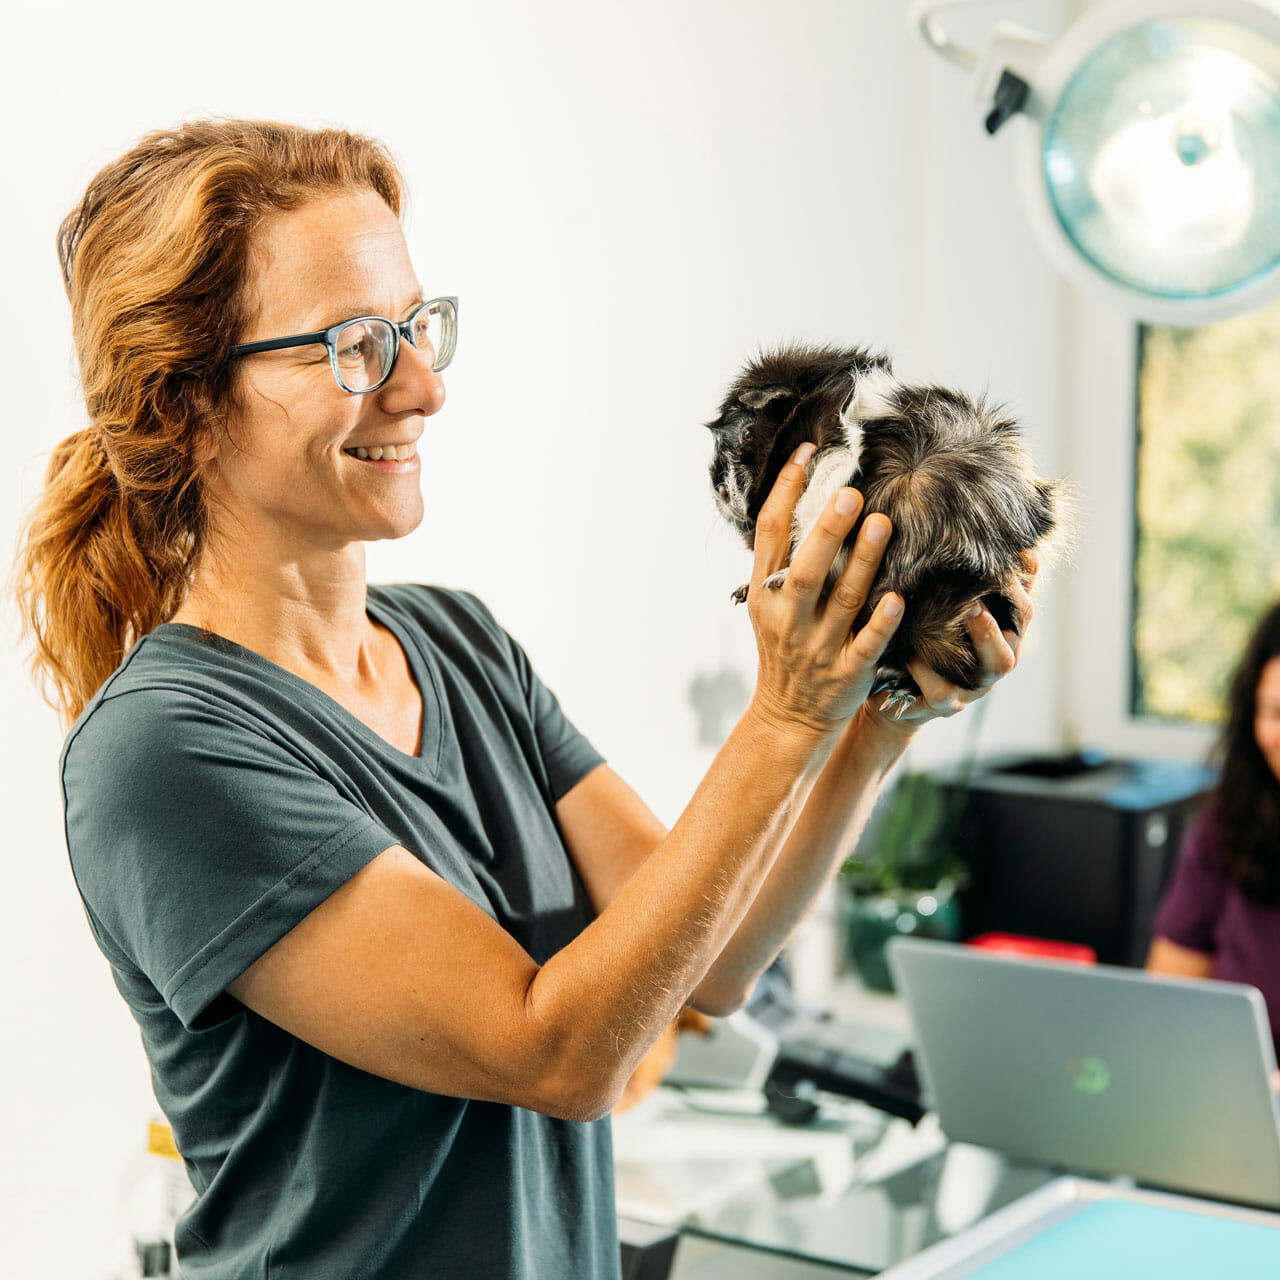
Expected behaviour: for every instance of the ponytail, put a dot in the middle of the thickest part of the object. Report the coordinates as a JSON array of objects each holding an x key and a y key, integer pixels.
[{"x": 91, "y": 577}]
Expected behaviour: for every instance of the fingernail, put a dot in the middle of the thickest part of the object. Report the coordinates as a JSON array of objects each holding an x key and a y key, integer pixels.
[
  {"x": 876, "y": 530},
  {"x": 976, "y": 610},
  {"x": 846, "y": 502},
  {"x": 892, "y": 606},
  {"x": 804, "y": 453}
]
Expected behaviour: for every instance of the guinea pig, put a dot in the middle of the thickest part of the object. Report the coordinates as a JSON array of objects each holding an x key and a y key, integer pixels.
[{"x": 948, "y": 471}]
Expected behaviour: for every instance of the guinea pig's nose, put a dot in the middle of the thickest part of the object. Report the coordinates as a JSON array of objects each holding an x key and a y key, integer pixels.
[{"x": 722, "y": 492}]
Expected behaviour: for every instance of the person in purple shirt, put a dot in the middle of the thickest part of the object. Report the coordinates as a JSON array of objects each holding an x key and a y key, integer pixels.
[{"x": 1220, "y": 916}]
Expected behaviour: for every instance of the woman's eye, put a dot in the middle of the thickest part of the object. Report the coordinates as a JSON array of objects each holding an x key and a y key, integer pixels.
[{"x": 356, "y": 349}]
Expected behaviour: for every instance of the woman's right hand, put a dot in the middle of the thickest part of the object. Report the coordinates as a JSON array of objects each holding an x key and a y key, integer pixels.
[{"x": 814, "y": 669}]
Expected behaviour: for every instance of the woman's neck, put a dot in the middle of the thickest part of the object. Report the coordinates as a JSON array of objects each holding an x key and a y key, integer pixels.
[{"x": 304, "y": 613}]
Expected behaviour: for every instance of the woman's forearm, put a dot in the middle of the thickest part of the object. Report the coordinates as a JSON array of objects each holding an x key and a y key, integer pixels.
[
  {"x": 822, "y": 837},
  {"x": 606, "y": 996}
]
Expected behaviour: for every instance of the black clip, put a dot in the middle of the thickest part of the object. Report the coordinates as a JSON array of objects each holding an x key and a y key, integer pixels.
[{"x": 1010, "y": 96}]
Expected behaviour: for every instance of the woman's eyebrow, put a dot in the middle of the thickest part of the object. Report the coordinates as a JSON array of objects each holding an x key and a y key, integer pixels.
[{"x": 332, "y": 315}]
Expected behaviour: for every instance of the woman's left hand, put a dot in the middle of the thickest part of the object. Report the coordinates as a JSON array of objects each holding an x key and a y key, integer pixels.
[{"x": 997, "y": 651}]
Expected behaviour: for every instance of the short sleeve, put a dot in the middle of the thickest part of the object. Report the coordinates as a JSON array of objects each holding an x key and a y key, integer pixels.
[
  {"x": 1193, "y": 901},
  {"x": 566, "y": 754},
  {"x": 198, "y": 839}
]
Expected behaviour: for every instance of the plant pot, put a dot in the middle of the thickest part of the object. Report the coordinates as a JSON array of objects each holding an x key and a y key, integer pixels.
[{"x": 871, "y": 919}]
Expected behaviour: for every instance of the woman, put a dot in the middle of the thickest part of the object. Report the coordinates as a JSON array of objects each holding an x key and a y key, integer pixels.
[
  {"x": 1220, "y": 916},
  {"x": 394, "y": 934}
]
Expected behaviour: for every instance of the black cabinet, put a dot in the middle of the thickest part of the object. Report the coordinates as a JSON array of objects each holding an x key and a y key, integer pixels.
[{"x": 1075, "y": 848}]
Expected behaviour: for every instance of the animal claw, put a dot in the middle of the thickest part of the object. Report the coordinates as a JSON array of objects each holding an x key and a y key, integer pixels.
[{"x": 897, "y": 702}]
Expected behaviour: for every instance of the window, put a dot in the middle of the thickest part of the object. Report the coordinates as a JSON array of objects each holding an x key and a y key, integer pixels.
[{"x": 1207, "y": 537}]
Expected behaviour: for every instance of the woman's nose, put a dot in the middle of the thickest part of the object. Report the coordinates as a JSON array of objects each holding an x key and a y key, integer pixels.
[{"x": 414, "y": 385}]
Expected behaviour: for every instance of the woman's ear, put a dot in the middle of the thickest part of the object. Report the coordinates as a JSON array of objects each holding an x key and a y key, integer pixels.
[
  {"x": 204, "y": 448},
  {"x": 211, "y": 427},
  {"x": 207, "y": 437}
]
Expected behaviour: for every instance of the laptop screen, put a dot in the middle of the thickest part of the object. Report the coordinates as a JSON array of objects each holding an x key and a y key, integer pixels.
[{"x": 1097, "y": 1069}]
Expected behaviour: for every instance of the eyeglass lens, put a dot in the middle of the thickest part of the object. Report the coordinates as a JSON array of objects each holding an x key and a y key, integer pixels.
[{"x": 365, "y": 349}]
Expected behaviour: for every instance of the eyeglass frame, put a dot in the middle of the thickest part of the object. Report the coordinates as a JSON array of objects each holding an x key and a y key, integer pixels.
[{"x": 401, "y": 329}]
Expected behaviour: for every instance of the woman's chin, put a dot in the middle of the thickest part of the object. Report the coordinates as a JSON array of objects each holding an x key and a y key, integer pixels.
[{"x": 400, "y": 522}]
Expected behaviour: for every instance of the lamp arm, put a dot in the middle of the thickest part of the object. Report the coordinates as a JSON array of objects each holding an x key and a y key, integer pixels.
[
  {"x": 920, "y": 14},
  {"x": 1014, "y": 48}
]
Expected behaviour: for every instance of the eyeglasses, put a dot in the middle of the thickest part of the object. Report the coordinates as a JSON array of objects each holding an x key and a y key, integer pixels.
[{"x": 363, "y": 351}]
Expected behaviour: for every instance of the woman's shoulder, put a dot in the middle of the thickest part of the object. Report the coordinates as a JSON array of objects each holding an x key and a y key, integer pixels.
[
  {"x": 439, "y": 610},
  {"x": 180, "y": 684},
  {"x": 1201, "y": 845},
  {"x": 151, "y": 677},
  {"x": 459, "y": 631},
  {"x": 425, "y": 600}
]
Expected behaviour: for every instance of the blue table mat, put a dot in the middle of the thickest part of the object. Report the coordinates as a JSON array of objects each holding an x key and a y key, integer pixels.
[{"x": 1123, "y": 1240}]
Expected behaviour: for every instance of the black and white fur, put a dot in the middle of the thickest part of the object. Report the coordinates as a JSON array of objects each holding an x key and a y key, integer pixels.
[{"x": 949, "y": 472}]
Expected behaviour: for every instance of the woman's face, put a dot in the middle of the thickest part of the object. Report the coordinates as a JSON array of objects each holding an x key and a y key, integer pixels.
[
  {"x": 288, "y": 475},
  {"x": 1266, "y": 715}
]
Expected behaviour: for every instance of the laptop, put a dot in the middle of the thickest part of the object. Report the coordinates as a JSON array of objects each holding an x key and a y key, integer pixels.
[{"x": 1097, "y": 1069}]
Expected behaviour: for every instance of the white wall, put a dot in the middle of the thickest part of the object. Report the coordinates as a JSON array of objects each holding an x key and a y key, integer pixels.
[{"x": 629, "y": 200}]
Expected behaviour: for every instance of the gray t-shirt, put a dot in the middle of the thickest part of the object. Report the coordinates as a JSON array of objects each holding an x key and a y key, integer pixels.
[{"x": 213, "y": 799}]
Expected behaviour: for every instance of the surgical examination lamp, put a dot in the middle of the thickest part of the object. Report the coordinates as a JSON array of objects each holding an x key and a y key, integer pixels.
[{"x": 1150, "y": 149}]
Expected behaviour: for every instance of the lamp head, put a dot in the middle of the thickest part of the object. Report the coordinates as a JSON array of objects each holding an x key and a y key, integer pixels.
[{"x": 1151, "y": 151}]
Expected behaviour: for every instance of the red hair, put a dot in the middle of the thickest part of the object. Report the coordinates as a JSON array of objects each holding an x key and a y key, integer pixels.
[{"x": 155, "y": 259}]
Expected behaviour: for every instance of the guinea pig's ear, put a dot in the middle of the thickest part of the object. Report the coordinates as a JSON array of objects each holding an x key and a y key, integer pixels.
[{"x": 758, "y": 397}]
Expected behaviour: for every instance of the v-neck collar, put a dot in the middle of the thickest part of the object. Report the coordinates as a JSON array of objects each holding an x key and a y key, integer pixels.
[{"x": 421, "y": 671}]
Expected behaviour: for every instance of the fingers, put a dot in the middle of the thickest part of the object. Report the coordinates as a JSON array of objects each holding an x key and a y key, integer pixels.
[
  {"x": 869, "y": 644},
  {"x": 939, "y": 698},
  {"x": 807, "y": 573},
  {"x": 773, "y": 525},
  {"x": 852, "y": 587},
  {"x": 1018, "y": 593},
  {"x": 1030, "y": 567},
  {"x": 997, "y": 651}
]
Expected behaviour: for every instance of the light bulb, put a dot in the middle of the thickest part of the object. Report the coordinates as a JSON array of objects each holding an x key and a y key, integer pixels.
[{"x": 1161, "y": 158}]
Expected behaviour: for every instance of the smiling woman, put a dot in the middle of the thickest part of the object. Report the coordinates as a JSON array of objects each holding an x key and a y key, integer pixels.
[
  {"x": 1221, "y": 912},
  {"x": 286, "y": 473},
  {"x": 395, "y": 936}
]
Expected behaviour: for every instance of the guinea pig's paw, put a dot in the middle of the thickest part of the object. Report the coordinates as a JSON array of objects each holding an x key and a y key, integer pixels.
[
  {"x": 899, "y": 689},
  {"x": 740, "y": 595},
  {"x": 897, "y": 702},
  {"x": 775, "y": 580}
]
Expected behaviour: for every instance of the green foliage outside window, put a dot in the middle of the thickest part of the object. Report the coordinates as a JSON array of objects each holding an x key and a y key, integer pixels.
[{"x": 1208, "y": 507}]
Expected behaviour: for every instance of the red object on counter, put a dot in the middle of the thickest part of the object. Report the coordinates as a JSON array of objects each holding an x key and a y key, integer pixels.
[{"x": 1035, "y": 948}]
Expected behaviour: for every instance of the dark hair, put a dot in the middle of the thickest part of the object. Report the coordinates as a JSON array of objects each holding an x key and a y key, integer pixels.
[
  {"x": 155, "y": 260},
  {"x": 1246, "y": 809}
]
